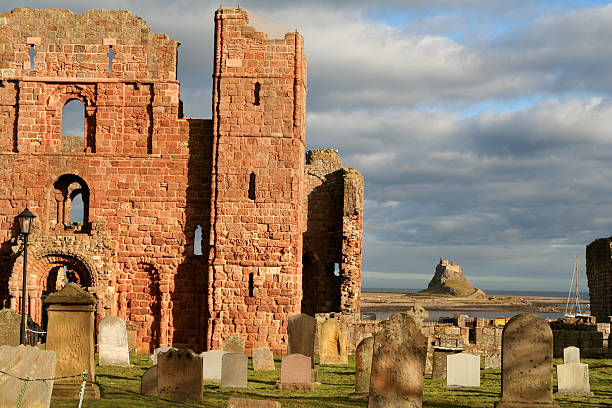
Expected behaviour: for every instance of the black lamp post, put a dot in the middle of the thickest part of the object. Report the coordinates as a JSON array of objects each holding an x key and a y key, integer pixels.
[{"x": 26, "y": 218}]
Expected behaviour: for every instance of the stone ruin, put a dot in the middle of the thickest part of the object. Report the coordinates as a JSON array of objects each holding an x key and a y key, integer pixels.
[
  {"x": 191, "y": 229},
  {"x": 599, "y": 275},
  {"x": 450, "y": 280}
]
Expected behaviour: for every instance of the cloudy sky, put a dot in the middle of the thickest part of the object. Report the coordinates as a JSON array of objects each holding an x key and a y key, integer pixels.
[{"x": 482, "y": 127}]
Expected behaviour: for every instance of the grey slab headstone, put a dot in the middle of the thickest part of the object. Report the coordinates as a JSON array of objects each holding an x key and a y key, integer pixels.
[
  {"x": 302, "y": 330},
  {"x": 363, "y": 365},
  {"x": 233, "y": 344},
  {"x": 31, "y": 362},
  {"x": 113, "y": 342},
  {"x": 212, "y": 363},
  {"x": 10, "y": 322},
  {"x": 573, "y": 378},
  {"x": 160, "y": 350},
  {"x": 571, "y": 355},
  {"x": 234, "y": 370},
  {"x": 179, "y": 375},
  {"x": 463, "y": 369},
  {"x": 148, "y": 381},
  {"x": 263, "y": 359},
  {"x": 398, "y": 363}
]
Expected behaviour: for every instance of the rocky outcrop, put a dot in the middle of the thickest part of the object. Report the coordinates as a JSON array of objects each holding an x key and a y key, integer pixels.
[{"x": 450, "y": 280}]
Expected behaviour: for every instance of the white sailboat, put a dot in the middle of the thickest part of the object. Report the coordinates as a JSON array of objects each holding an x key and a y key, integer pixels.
[{"x": 573, "y": 307}]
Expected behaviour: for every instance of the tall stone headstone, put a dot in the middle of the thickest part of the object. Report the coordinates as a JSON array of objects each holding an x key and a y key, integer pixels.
[
  {"x": 398, "y": 363},
  {"x": 263, "y": 359},
  {"x": 302, "y": 330},
  {"x": 10, "y": 322},
  {"x": 179, "y": 375},
  {"x": 212, "y": 362},
  {"x": 233, "y": 344},
  {"x": 113, "y": 342},
  {"x": 70, "y": 333},
  {"x": 26, "y": 362},
  {"x": 148, "y": 381},
  {"x": 363, "y": 366},
  {"x": 573, "y": 379},
  {"x": 463, "y": 369},
  {"x": 332, "y": 342},
  {"x": 132, "y": 331},
  {"x": 527, "y": 352},
  {"x": 571, "y": 355},
  {"x": 296, "y": 373},
  {"x": 234, "y": 370}
]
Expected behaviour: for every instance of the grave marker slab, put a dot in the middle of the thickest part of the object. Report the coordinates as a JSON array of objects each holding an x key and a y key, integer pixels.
[
  {"x": 179, "y": 375},
  {"x": 234, "y": 370},
  {"x": 463, "y": 369},
  {"x": 527, "y": 351},
  {"x": 160, "y": 350},
  {"x": 113, "y": 342},
  {"x": 492, "y": 361},
  {"x": 263, "y": 359},
  {"x": 398, "y": 362},
  {"x": 148, "y": 381},
  {"x": 296, "y": 373},
  {"x": 332, "y": 343},
  {"x": 212, "y": 363},
  {"x": 571, "y": 355},
  {"x": 301, "y": 330},
  {"x": 573, "y": 379},
  {"x": 438, "y": 371},
  {"x": 31, "y": 362},
  {"x": 251, "y": 403},
  {"x": 233, "y": 344},
  {"x": 10, "y": 322},
  {"x": 363, "y": 366}
]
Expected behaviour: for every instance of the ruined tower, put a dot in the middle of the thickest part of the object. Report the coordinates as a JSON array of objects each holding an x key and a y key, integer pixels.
[{"x": 599, "y": 274}]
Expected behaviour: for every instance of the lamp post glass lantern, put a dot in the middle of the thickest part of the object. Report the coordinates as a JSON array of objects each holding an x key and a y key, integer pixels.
[{"x": 26, "y": 218}]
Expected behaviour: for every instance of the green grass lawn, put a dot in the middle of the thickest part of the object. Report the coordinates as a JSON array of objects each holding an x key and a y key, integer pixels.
[{"x": 120, "y": 387}]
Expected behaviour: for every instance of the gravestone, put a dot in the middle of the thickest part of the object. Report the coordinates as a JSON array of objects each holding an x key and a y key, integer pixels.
[
  {"x": 571, "y": 355},
  {"x": 428, "y": 366},
  {"x": 10, "y": 323},
  {"x": 263, "y": 359},
  {"x": 70, "y": 333},
  {"x": 212, "y": 363},
  {"x": 527, "y": 350},
  {"x": 302, "y": 330},
  {"x": 113, "y": 343},
  {"x": 132, "y": 331},
  {"x": 440, "y": 354},
  {"x": 160, "y": 350},
  {"x": 492, "y": 361},
  {"x": 234, "y": 370},
  {"x": 332, "y": 342},
  {"x": 148, "y": 381},
  {"x": 31, "y": 362},
  {"x": 573, "y": 379},
  {"x": 363, "y": 366},
  {"x": 398, "y": 362},
  {"x": 179, "y": 375},
  {"x": 296, "y": 373},
  {"x": 251, "y": 403},
  {"x": 463, "y": 369},
  {"x": 233, "y": 344}
]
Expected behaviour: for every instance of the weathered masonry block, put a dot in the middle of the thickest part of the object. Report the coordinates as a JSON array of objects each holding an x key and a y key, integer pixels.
[
  {"x": 119, "y": 206},
  {"x": 599, "y": 274}
]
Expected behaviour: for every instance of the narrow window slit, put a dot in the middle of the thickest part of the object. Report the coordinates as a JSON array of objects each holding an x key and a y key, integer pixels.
[
  {"x": 251, "y": 284},
  {"x": 252, "y": 186},
  {"x": 197, "y": 241},
  {"x": 110, "y": 56},
  {"x": 256, "y": 93},
  {"x": 32, "y": 54}
]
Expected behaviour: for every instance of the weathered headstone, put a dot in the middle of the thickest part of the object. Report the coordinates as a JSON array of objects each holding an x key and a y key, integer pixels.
[
  {"x": 132, "y": 331},
  {"x": 398, "y": 362},
  {"x": 160, "y": 350},
  {"x": 440, "y": 354},
  {"x": 148, "y": 381},
  {"x": 10, "y": 322},
  {"x": 263, "y": 359},
  {"x": 296, "y": 373},
  {"x": 492, "y": 361},
  {"x": 234, "y": 370},
  {"x": 363, "y": 366},
  {"x": 251, "y": 403},
  {"x": 113, "y": 342},
  {"x": 70, "y": 333},
  {"x": 332, "y": 342},
  {"x": 428, "y": 366},
  {"x": 233, "y": 344},
  {"x": 463, "y": 369},
  {"x": 31, "y": 362},
  {"x": 527, "y": 348},
  {"x": 302, "y": 331},
  {"x": 571, "y": 355},
  {"x": 573, "y": 378},
  {"x": 212, "y": 363},
  {"x": 179, "y": 375}
]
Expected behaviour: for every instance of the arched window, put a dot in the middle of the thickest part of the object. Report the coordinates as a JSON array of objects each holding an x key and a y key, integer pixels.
[
  {"x": 77, "y": 211},
  {"x": 71, "y": 201},
  {"x": 197, "y": 241},
  {"x": 73, "y": 126}
]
